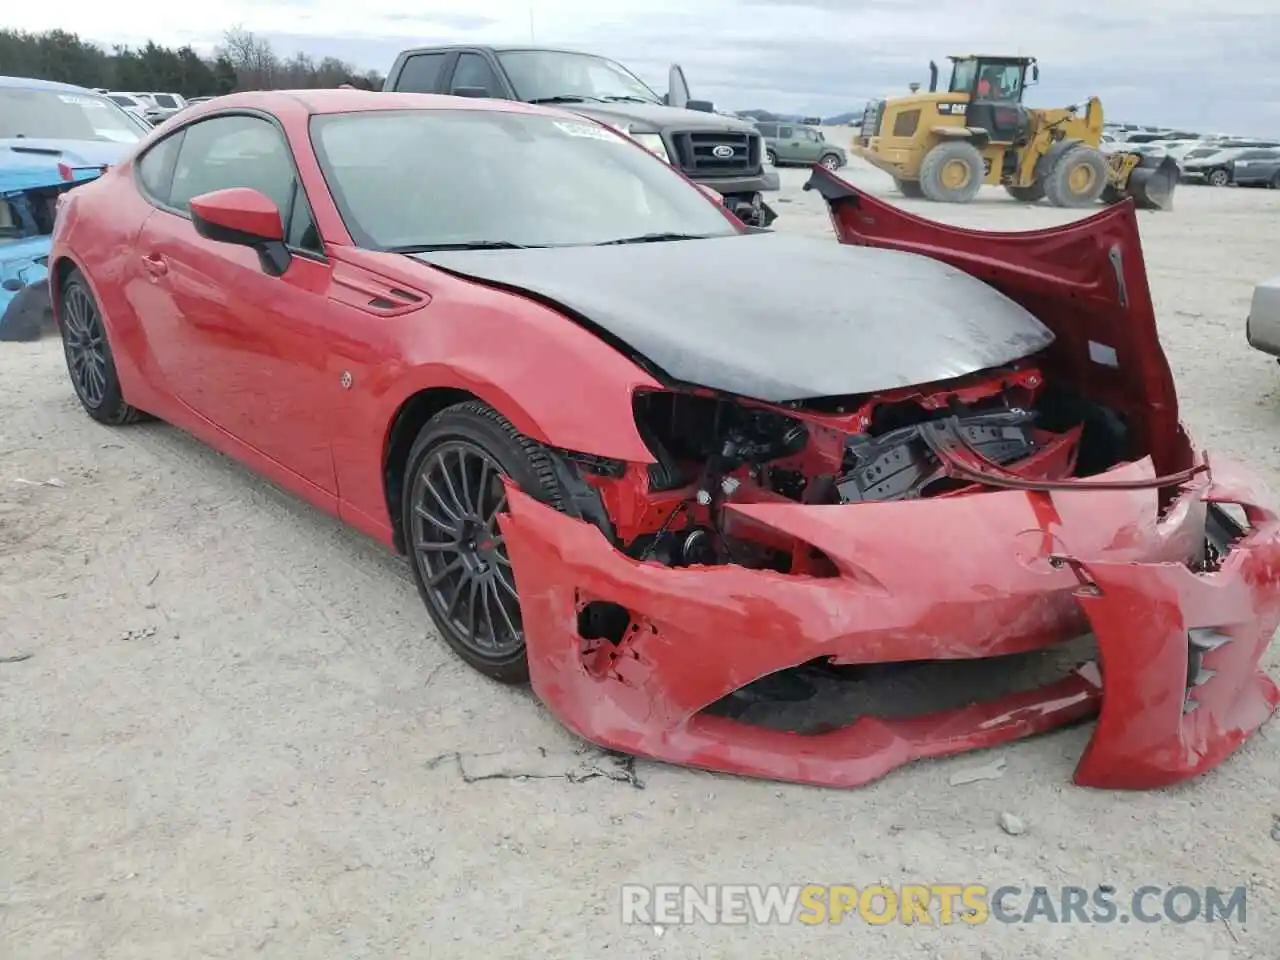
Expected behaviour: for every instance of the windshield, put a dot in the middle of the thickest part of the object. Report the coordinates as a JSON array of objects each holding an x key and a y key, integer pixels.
[
  {"x": 548, "y": 74},
  {"x": 431, "y": 178},
  {"x": 55, "y": 115}
]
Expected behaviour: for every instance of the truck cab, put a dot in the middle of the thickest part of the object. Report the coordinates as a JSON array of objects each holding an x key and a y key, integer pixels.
[{"x": 724, "y": 153}]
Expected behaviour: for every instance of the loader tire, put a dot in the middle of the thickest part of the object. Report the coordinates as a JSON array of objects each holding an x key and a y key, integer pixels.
[
  {"x": 952, "y": 172},
  {"x": 1078, "y": 178},
  {"x": 909, "y": 188},
  {"x": 1032, "y": 193}
]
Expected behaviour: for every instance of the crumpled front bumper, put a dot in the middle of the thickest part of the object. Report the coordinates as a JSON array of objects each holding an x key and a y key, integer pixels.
[
  {"x": 25, "y": 306},
  {"x": 1177, "y": 689}
]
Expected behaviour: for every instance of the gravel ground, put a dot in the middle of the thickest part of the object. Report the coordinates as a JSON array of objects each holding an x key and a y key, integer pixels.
[{"x": 235, "y": 735}]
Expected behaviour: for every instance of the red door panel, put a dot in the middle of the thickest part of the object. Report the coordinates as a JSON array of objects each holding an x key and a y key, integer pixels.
[{"x": 243, "y": 349}]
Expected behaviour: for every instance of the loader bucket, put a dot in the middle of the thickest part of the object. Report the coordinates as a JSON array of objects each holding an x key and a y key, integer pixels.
[{"x": 1152, "y": 182}]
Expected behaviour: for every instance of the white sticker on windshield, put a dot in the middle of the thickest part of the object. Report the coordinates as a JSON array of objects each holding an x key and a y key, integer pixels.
[
  {"x": 588, "y": 130},
  {"x": 82, "y": 101}
]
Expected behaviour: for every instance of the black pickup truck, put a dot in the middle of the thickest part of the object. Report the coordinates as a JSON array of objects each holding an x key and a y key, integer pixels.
[{"x": 720, "y": 152}]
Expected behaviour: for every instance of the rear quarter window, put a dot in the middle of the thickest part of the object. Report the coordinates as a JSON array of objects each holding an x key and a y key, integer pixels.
[{"x": 421, "y": 73}]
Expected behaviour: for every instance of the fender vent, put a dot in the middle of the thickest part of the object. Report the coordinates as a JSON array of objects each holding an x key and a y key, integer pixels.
[{"x": 373, "y": 294}]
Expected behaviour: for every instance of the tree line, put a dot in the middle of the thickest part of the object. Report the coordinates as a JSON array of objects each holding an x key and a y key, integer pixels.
[{"x": 241, "y": 61}]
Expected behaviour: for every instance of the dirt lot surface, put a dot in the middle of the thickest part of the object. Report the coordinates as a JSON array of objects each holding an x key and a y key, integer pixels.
[{"x": 236, "y": 736}]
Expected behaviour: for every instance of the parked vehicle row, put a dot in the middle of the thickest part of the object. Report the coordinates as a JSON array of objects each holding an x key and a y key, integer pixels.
[{"x": 153, "y": 107}]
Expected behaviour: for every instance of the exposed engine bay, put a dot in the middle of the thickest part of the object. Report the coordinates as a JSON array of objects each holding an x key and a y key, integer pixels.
[{"x": 903, "y": 445}]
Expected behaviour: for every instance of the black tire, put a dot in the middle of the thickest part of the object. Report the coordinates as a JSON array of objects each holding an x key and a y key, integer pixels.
[
  {"x": 1077, "y": 178},
  {"x": 771, "y": 158},
  {"x": 1218, "y": 177},
  {"x": 942, "y": 163},
  {"x": 90, "y": 363},
  {"x": 1031, "y": 193},
  {"x": 831, "y": 161},
  {"x": 480, "y": 432},
  {"x": 909, "y": 189}
]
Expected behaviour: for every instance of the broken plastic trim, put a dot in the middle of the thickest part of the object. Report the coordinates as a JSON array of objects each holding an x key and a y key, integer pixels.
[{"x": 961, "y": 461}]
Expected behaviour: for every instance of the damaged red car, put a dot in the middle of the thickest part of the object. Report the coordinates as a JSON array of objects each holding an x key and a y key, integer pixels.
[{"x": 655, "y": 462}]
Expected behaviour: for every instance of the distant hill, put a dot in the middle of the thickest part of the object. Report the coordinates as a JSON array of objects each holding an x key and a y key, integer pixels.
[{"x": 838, "y": 120}]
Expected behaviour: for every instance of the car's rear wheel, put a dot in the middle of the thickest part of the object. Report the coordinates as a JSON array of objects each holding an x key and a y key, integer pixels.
[
  {"x": 88, "y": 352},
  {"x": 771, "y": 158},
  {"x": 453, "y": 493}
]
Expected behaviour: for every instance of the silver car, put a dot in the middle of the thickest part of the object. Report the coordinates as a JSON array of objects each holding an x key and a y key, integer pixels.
[{"x": 1262, "y": 328}]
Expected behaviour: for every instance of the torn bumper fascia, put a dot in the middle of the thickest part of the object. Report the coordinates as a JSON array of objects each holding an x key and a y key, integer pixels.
[
  {"x": 24, "y": 286},
  {"x": 1051, "y": 565}
]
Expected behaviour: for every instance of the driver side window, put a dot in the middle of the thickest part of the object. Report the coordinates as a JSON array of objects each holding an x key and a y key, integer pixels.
[
  {"x": 243, "y": 151},
  {"x": 473, "y": 70}
]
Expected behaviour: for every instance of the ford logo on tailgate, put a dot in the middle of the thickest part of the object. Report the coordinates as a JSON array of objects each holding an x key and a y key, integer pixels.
[{"x": 723, "y": 151}]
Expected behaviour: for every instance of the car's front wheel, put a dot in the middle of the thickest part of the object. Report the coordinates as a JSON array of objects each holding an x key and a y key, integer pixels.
[
  {"x": 453, "y": 494},
  {"x": 771, "y": 158},
  {"x": 831, "y": 161},
  {"x": 88, "y": 352}
]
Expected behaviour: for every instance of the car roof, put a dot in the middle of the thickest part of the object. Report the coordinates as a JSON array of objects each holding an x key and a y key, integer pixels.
[
  {"x": 360, "y": 101},
  {"x": 500, "y": 48},
  {"x": 31, "y": 83}
]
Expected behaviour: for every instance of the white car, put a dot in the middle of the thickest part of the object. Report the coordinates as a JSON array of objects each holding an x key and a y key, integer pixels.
[
  {"x": 164, "y": 105},
  {"x": 130, "y": 103}
]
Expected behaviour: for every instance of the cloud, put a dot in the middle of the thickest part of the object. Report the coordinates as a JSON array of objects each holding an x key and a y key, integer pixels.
[{"x": 1177, "y": 62}]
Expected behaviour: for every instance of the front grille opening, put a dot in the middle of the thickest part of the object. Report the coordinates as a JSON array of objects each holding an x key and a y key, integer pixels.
[
  {"x": 717, "y": 153},
  {"x": 818, "y": 697}
]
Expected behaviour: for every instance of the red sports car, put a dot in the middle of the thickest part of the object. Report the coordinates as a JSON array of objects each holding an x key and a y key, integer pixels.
[{"x": 651, "y": 459}]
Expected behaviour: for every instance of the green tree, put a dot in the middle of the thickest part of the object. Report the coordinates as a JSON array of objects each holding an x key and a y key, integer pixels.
[{"x": 242, "y": 62}]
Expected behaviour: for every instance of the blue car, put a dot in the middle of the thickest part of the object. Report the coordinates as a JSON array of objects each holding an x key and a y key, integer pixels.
[{"x": 53, "y": 136}]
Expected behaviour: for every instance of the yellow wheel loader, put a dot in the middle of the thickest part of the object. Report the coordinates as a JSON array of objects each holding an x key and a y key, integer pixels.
[{"x": 944, "y": 145}]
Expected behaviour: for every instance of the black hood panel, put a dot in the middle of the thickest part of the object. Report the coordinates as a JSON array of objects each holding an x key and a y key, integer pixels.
[{"x": 771, "y": 316}]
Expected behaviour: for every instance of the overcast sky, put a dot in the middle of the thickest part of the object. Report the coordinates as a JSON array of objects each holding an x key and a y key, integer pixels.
[{"x": 1209, "y": 66}]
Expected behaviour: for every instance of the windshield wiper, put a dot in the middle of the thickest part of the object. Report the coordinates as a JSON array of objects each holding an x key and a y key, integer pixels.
[
  {"x": 565, "y": 98},
  {"x": 654, "y": 238},
  {"x": 462, "y": 245},
  {"x": 628, "y": 99}
]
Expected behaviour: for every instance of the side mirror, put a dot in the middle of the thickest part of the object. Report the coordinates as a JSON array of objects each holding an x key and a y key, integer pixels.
[
  {"x": 702, "y": 106},
  {"x": 480, "y": 92},
  {"x": 246, "y": 218},
  {"x": 1035, "y": 73}
]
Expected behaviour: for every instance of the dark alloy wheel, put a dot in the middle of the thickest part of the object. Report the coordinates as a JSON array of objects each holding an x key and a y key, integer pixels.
[
  {"x": 90, "y": 363},
  {"x": 465, "y": 568},
  {"x": 453, "y": 495},
  {"x": 85, "y": 345}
]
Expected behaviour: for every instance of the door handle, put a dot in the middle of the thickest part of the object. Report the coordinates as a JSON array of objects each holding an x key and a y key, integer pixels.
[{"x": 155, "y": 265}]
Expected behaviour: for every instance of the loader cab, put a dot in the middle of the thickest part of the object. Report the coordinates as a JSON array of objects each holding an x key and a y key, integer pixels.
[{"x": 995, "y": 86}]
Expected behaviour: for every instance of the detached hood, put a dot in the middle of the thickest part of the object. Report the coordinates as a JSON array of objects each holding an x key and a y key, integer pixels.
[
  {"x": 771, "y": 316},
  {"x": 657, "y": 116},
  {"x": 27, "y": 163}
]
